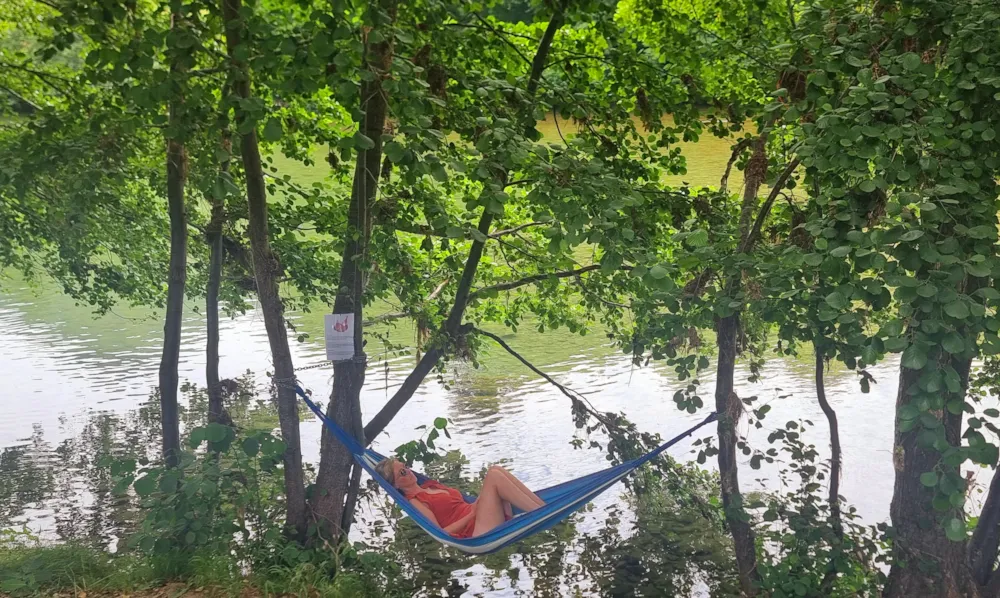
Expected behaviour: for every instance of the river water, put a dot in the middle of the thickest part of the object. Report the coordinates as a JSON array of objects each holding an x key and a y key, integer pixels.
[{"x": 61, "y": 367}]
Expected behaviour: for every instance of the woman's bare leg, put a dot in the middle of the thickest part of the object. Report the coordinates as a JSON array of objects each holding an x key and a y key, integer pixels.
[
  {"x": 539, "y": 502},
  {"x": 508, "y": 511},
  {"x": 489, "y": 510},
  {"x": 507, "y": 490}
]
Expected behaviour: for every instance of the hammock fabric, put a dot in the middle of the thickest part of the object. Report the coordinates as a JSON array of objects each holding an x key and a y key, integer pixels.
[{"x": 560, "y": 500}]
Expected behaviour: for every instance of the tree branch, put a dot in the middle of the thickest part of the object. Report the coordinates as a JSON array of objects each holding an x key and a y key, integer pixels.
[
  {"x": 506, "y": 286},
  {"x": 398, "y": 315},
  {"x": 509, "y": 231},
  {"x": 453, "y": 325},
  {"x": 765, "y": 209},
  {"x": 737, "y": 150}
]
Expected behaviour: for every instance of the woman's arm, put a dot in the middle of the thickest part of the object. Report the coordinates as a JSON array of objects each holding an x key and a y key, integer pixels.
[{"x": 425, "y": 511}]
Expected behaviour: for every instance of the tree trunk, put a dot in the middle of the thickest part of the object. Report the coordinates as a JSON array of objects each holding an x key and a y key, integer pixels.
[
  {"x": 176, "y": 166},
  {"x": 985, "y": 541},
  {"x": 265, "y": 272},
  {"x": 730, "y": 410},
  {"x": 453, "y": 325},
  {"x": 835, "y": 459},
  {"x": 177, "y": 276},
  {"x": 727, "y": 403},
  {"x": 213, "y": 237},
  {"x": 925, "y": 562},
  {"x": 332, "y": 503}
]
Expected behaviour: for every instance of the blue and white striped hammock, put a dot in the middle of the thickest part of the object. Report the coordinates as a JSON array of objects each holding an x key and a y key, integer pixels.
[{"x": 560, "y": 500}]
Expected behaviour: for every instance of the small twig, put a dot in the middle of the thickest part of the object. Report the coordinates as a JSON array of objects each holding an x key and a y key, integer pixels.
[
  {"x": 737, "y": 150},
  {"x": 396, "y": 315},
  {"x": 509, "y": 231}
]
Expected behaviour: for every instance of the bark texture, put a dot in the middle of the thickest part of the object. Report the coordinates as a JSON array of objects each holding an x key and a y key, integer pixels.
[
  {"x": 266, "y": 268},
  {"x": 176, "y": 167},
  {"x": 332, "y": 504},
  {"x": 925, "y": 562},
  {"x": 177, "y": 275},
  {"x": 216, "y": 253}
]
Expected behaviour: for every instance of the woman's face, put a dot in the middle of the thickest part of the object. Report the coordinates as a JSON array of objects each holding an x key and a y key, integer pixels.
[{"x": 404, "y": 476}]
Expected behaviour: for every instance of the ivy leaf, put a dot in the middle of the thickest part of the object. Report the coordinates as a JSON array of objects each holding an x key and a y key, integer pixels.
[
  {"x": 957, "y": 309},
  {"x": 914, "y": 357},
  {"x": 911, "y": 235},
  {"x": 929, "y": 479},
  {"x": 440, "y": 423},
  {"x": 954, "y": 528},
  {"x": 953, "y": 343},
  {"x": 251, "y": 446},
  {"x": 836, "y": 300},
  {"x": 911, "y": 61}
]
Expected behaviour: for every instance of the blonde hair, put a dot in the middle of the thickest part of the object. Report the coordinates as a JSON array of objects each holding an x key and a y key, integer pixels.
[{"x": 384, "y": 469}]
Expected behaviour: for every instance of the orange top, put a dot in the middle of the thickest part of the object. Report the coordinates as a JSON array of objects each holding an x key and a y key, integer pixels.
[{"x": 448, "y": 507}]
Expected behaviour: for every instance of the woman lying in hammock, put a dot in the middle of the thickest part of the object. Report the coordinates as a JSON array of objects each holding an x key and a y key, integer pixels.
[{"x": 447, "y": 508}]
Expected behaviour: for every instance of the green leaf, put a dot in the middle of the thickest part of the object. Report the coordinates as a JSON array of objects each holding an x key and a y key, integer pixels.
[
  {"x": 954, "y": 528},
  {"x": 836, "y": 300},
  {"x": 440, "y": 423},
  {"x": 216, "y": 432},
  {"x": 914, "y": 357},
  {"x": 251, "y": 446},
  {"x": 929, "y": 479},
  {"x": 454, "y": 232},
  {"x": 957, "y": 309},
  {"x": 196, "y": 437},
  {"x": 842, "y": 251},
  {"x": 145, "y": 485},
  {"x": 272, "y": 130},
  {"x": 911, "y": 235},
  {"x": 953, "y": 343},
  {"x": 911, "y": 61},
  {"x": 658, "y": 272},
  {"x": 362, "y": 141}
]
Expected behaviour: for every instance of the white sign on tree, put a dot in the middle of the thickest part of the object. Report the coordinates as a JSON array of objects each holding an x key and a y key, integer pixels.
[{"x": 339, "y": 336}]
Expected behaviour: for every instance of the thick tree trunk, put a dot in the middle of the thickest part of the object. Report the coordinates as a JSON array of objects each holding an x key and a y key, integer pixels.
[
  {"x": 453, "y": 325},
  {"x": 177, "y": 276},
  {"x": 925, "y": 562},
  {"x": 176, "y": 167},
  {"x": 265, "y": 272},
  {"x": 985, "y": 541},
  {"x": 332, "y": 504}
]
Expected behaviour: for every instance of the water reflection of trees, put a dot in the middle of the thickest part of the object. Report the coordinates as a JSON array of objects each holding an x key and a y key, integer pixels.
[{"x": 656, "y": 545}]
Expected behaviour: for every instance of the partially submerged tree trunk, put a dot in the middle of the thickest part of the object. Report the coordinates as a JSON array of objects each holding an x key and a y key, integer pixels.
[
  {"x": 265, "y": 272},
  {"x": 177, "y": 277},
  {"x": 332, "y": 504},
  {"x": 925, "y": 562}
]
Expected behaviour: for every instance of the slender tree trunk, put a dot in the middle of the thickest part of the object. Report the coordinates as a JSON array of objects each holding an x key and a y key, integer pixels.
[
  {"x": 925, "y": 562},
  {"x": 213, "y": 237},
  {"x": 332, "y": 504},
  {"x": 266, "y": 269},
  {"x": 835, "y": 459},
  {"x": 727, "y": 403},
  {"x": 177, "y": 277},
  {"x": 452, "y": 327}
]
